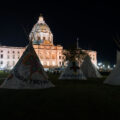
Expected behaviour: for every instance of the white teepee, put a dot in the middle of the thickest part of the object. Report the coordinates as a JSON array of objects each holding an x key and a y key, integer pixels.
[
  {"x": 118, "y": 57},
  {"x": 89, "y": 69},
  {"x": 28, "y": 73},
  {"x": 72, "y": 71},
  {"x": 114, "y": 77}
]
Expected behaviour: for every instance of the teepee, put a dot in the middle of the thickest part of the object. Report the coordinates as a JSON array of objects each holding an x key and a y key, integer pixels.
[
  {"x": 118, "y": 57},
  {"x": 114, "y": 77},
  {"x": 72, "y": 71},
  {"x": 28, "y": 73},
  {"x": 89, "y": 69}
]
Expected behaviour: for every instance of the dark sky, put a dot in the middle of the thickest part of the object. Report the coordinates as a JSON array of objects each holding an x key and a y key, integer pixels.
[{"x": 95, "y": 23}]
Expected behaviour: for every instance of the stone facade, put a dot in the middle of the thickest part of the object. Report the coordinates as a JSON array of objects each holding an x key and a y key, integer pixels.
[
  {"x": 9, "y": 56},
  {"x": 50, "y": 55}
]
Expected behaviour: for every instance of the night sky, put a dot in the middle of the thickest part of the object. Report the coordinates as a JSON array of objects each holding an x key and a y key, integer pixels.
[{"x": 95, "y": 23}]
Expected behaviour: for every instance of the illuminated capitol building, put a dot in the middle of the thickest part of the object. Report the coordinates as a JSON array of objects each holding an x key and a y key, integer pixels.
[{"x": 49, "y": 54}]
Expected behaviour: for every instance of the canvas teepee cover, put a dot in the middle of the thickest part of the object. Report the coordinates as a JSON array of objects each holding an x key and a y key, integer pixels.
[
  {"x": 118, "y": 57},
  {"x": 114, "y": 77},
  {"x": 89, "y": 69},
  {"x": 28, "y": 73},
  {"x": 72, "y": 71}
]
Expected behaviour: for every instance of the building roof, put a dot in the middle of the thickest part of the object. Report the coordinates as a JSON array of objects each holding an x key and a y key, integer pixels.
[{"x": 12, "y": 47}]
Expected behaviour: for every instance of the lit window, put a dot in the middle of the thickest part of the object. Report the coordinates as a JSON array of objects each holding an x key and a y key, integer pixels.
[
  {"x": 60, "y": 63},
  {"x": 53, "y": 63},
  {"x": 1, "y": 56},
  {"x": 47, "y": 63},
  {"x": 59, "y": 57},
  {"x": 43, "y": 38},
  {"x": 1, "y": 62},
  {"x": 13, "y": 56}
]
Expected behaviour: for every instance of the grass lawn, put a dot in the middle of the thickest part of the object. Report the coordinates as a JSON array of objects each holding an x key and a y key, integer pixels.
[{"x": 69, "y": 99}]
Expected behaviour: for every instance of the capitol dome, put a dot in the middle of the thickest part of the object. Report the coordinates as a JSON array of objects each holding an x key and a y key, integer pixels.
[{"x": 41, "y": 33}]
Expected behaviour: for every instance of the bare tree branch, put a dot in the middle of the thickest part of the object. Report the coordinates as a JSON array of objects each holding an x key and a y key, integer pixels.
[{"x": 117, "y": 41}]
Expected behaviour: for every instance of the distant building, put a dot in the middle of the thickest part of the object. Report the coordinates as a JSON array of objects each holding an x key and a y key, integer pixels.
[
  {"x": 9, "y": 56},
  {"x": 93, "y": 55},
  {"x": 49, "y": 54}
]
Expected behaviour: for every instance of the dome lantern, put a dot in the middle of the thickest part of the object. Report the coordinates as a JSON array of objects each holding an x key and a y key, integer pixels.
[{"x": 41, "y": 19}]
